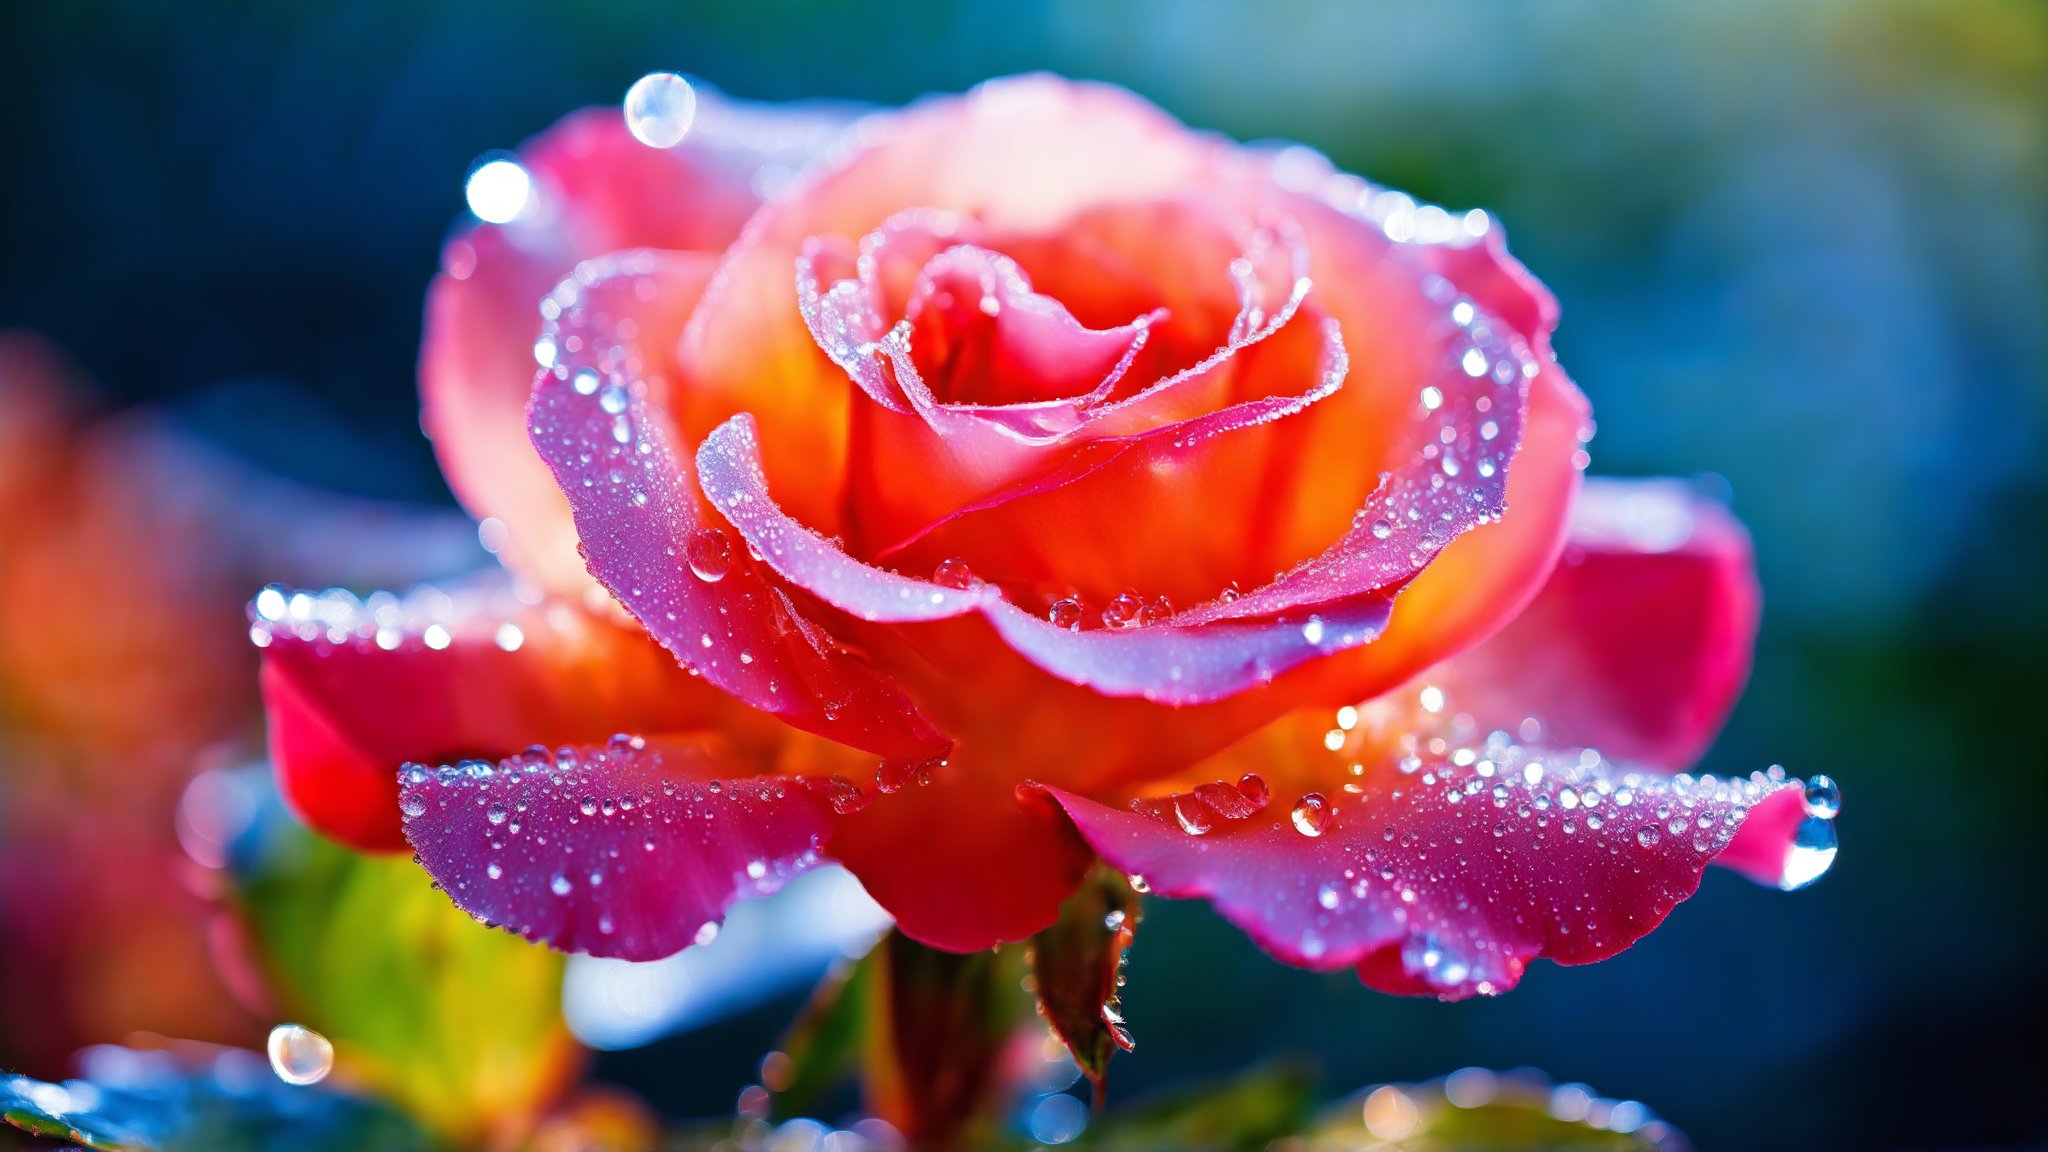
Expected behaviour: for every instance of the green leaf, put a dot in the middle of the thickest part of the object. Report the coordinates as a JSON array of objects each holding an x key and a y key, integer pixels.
[
  {"x": 1246, "y": 1111},
  {"x": 458, "y": 1024},
  {"x": 1075, "y": 967},
  {"x": 202, "y": 1099}
]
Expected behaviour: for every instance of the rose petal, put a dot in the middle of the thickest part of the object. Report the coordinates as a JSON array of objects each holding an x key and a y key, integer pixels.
[
  {"x": 598, "y": 190},
  {"x": 1449, "y": 873},
  {"x": 1641, "y": 640},
  {"x": 693, "y": 587},
  {"x": 627, "y": 850},
  {"x": 353, "y": 689},
  {"x": 985, "y": 870},
  {"x": 1018, "y": 154},
  {"x": 1163, "y": 663}
]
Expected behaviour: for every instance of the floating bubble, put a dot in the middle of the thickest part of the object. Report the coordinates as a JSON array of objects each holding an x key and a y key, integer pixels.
[
  {"x": 300, "y": 1055},
  {"x": 660, "y": 107}
]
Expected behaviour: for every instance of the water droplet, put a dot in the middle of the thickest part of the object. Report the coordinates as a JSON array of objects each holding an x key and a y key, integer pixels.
[
  {"x": 660, "y": 107},
  {"x": 412, "y": 804},
  {"x": 953, "y": 573},
  {"x": 559, "y": 885},
  {"x": 494, "y": 870},
  {"x": 1648, "y": 835},
  {"x": 496, "y": 813},
  {"x": 588, "y": 806},
  {"x": 1065, "y": 613},
  {"x": 1311, "y": 814},
  {"x": 1382, "y": 528},
  {"x": 300, "y": 1055},
  {"x": 1139, "y": 884},
  {"x": 1193, "y": 815},
  {"x": 1823, "y": 797},
  {"x": 1328, "y": 895},
  {"x": 1811, "y": 855},
  {"x": 710, "y": 554},
  {"x": 706, "y": 933},
  {"x": 1252, "y": 787},
  {"x": 1122, "y": 611},
  {"x": 614, "y": 398}
]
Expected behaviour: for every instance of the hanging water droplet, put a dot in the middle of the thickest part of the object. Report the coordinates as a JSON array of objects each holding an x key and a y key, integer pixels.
[
  {"x": 1065, "y": 613},
  {"x": 300, "y": 1055},
  {"x": 1811, "y": 855},
  {"x": 1823, "y": 797},
  {"x": 1311, "y": 814},
  {"x": 660, "y": 108}
]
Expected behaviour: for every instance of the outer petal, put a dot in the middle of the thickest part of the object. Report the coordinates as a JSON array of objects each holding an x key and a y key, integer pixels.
[
  {"x": 631, "y": 850},
  {"x": 354, "y": 689},
  {"x": 597, "y": 190},
  {"x": 1432, "y": 875},
  {"x": 1640, "y": 641}
]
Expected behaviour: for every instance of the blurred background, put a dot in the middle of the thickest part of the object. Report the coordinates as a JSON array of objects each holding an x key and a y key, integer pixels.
[{"x": 1801, "y": 251}]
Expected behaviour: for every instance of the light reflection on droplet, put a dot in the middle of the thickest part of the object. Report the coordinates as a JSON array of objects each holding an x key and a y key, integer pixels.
[
  {"x": 499, "y": 190},
  {"x": 300, "y": 1055}
]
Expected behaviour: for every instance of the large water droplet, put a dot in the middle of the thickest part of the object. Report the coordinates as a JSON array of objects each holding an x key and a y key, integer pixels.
[
  {"x": 1194, "y": 816},
  {"x": 953, "y": 573},
  {"x": 660, "y": 107},
  {"x": 1065, "y": 613},
  {"x": 1311, "y": 814},
  {"x": 300, "y": 1055},
  {"x": 1811, "y": 855},
  {"x": 1252, "y": 787},
  {"x": 710, "y": 554}
]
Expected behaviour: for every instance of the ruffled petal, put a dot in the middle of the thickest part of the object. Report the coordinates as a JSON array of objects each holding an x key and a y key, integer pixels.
[
  {"x": 598, "y": 190},
  {"x": 1018, "y": 155},
  {"x": 355, "y": 688},
  {"x": 691, "y": 585},
  {"x": 1162, "y": 662},
  {"x": 630, "y": 849},
  {"x": 1446, "y": 871},
  {"x": 1641, "y": 640}
]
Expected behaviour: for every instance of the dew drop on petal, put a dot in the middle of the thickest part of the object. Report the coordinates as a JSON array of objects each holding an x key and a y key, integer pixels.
[
  {"x": 1823, "y": 797},
  {"x": 1192, "y": 814},
  {"x": 1065, "y": 613},
  {"x": 710, "y": 554},
  {"x": 1122, "y": 611},
  {"x": 1252, "y": 787},
  {"x": 300, "y": 1055},
  {"x": 660, "y": 108},
  {"x": 1311, "y": 814},
  {"x": 953, "y": 573}
]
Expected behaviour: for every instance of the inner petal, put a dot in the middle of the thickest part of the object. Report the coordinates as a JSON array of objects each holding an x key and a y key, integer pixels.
[{"x": 982, "y": 337}]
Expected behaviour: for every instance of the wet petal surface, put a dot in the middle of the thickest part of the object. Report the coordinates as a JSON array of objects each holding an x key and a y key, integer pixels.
[
  {"x": 1446, "y": 859},
  {"x": 626, "y": 849}
]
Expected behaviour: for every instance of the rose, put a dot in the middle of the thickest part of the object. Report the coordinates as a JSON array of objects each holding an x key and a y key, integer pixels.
[{"x": 954, "y": 478}]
